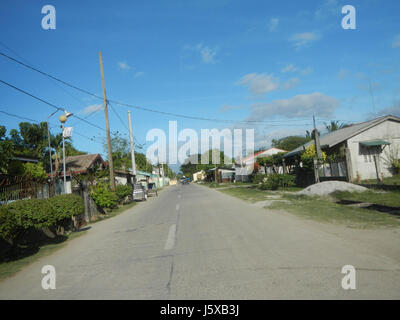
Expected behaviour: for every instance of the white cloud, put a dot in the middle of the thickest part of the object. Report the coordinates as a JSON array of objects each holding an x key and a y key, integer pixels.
[
  {"x": 273, "y": 24},
  {"x": 207, "y": 54},
  {"x": 92, "y": 109},
  {"x": 343, "y": 74},
  {"x": 259, "y": 84},
  {"x": 326, "y": 9},
  {"x": 301, "y": 40},
  {"x": 291, "y": 83},
  {"x": 396, "y": 41},
  {"x": 123, "y": 65},
  {"x": 289, "y": 68},
  {"x": 303, "y": 105},
  {"x": 139, "y": 74},
  {"x": 306, "y": 71},
  {"x": 292, "y": 68}
]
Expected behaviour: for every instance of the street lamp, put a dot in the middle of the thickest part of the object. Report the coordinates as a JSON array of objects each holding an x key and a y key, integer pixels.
[
  {"x": 63, "y": 118},
  {"x": 48, "y": 137}
]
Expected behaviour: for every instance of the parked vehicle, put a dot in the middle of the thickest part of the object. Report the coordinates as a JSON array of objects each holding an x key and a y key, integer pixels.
[
  {"x": 139, "y": 192},
  {"x": 152, "y": 189}
]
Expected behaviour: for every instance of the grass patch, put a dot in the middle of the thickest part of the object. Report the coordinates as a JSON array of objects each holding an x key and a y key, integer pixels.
[
  {"x": 9, "y": 268},
  {"x": 248, "y": 194},
  {"x": 324, "y": 210},
  {"x": 391, "y": 199},
  {"x": 395, "y": 180}
]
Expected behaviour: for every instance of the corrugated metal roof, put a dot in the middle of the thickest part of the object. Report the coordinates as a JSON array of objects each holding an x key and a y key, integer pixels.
[
  {"x": 333, "y": 138},
  {"x": 371, "y": 143}
]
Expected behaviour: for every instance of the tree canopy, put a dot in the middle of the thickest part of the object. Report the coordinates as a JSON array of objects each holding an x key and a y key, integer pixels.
[{"x": 289, "y": 143}]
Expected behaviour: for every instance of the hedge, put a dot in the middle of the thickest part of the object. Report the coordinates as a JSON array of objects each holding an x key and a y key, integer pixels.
[
  {"x": 66, "y": 206},
  {"x": 103, "y": 196},
  {"x": 122, "y": 191},
  {"x": 35, "y": 214}
]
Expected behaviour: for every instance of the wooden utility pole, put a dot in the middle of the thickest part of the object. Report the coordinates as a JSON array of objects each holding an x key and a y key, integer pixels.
[
  {"x": 110, "y": 160},
  {"x": 132, "y": 148},
  {"x": 317, "y": 151}
]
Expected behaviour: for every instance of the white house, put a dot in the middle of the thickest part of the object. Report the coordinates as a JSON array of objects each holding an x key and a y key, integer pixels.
[
  {"x": 366, "y": 147},
  {"x": 244, "y": 167}
]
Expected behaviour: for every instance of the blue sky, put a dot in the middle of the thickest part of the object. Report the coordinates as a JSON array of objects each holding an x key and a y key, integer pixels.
[{"x": 279, "y": 61}]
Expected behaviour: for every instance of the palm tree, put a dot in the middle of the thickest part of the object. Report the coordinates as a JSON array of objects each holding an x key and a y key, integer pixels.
[{"x": 334, "y": 125}]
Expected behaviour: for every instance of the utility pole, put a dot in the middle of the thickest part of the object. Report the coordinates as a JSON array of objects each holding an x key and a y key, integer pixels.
[
  {"x": 132, "y": 148},
  {"x": 110, "y": 160},
  {"x": 317, "y": 151}
]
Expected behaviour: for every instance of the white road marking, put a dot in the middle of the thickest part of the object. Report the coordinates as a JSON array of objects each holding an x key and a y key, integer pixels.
[
  {"x": 179, "y": 196},
  {"x": 171, "y": 238},
  {"x": 177, "y": 207}
]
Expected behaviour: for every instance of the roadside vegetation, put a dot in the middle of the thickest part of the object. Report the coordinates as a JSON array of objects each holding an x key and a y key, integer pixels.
[
  {"x": 325, "y": 210},
  {"x": 392, "y": 181},
  {"x": 322, "y": 209},
  {"x": 34, "y": 228},
  {"x": 391, "y": 199}
]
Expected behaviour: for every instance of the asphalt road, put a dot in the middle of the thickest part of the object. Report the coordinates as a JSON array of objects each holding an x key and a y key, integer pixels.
[{"x": 192, "y": 242}]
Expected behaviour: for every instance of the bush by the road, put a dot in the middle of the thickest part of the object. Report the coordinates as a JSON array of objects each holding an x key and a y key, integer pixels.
[
  {"x": 22, "y": 216},
  {"x": 64, "y": 207},
  {"x": 103, "y": 196},
  {"x": 275, "y": 181},
  {"x": 123, "y": 191}
]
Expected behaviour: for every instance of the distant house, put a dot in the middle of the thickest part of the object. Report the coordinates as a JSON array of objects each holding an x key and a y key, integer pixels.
[
  {"x": 244, "y": 167},
  {"x": 223, "y": 174},
  {"x": 363, "y": 149},
  {"x": 199, "y": 176},
  {"x": 81, "y": 164}
]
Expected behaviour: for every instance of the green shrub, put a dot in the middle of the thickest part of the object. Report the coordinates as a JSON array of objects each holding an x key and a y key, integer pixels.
[
  {"x": 66, "y": 206},
  {"x": 259, "y": 178},
  {"x": 8, "y": 225},
  {"x": 396, "y": 166},
  {"x": 123, "y": 191},
  {"x": 103, "y": 196},
  {"x": 287, "y": 180},
  {"x": 22, "y": 215},
  {"x": 271, "y": 182},
  {"x": 275, "y": 181}
]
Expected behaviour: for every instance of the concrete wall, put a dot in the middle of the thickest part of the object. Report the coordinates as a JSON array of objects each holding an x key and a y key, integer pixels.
[{"x": 362, "y": 161}]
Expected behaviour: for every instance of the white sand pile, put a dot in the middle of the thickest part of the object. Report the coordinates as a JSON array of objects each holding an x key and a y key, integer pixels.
[{"x": 327, "y": 187}]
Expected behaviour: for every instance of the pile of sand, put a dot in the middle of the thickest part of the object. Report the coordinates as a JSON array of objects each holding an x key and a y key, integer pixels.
[{"x": 328, "y": 187}]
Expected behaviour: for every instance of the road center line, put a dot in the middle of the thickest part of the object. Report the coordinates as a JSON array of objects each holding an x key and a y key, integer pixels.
[{"x": 171, "y": 238}]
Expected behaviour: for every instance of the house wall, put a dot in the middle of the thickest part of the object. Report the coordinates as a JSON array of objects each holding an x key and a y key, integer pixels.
[
  {"x": 364, "y": 164},
  {"x": 121, "y": 180}
]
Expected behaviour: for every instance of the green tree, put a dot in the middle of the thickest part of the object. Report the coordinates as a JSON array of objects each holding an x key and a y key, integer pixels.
[
  {"x": 289, "y": 143},
  {"x": 6, "y": 151},
  {"x": 334, "y": 125},
  {"x": 121, "y": 154},
  {"x": 34, "y": 171}
]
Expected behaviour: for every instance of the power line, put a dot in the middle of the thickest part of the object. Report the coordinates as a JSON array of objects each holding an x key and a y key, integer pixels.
[
  {"x": 49, "y": 75},
  {"x": 19, "y": 117},
  {"x": 145, "y": 108},
  {"x": 120, "y": 119},
  {"x": 50, "y": 104},
  {"x": 53, "y": 126},
  {"x": 31, "y": 95}
]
